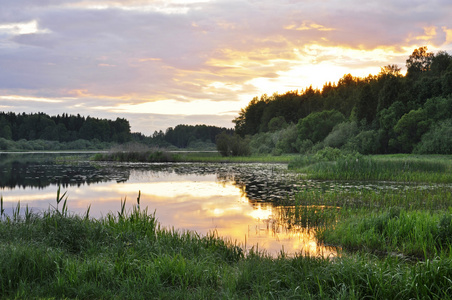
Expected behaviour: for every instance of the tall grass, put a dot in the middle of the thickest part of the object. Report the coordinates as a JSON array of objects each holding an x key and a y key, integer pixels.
[
  {"x": 406, "y": 169},
  {"x": 400, "y": 242},
  {"x": 427, "y": 197},
  {"x": 127, "y": 255},
  {"x": 416, "y": 234},
  {"x": 413, "y": 222}
]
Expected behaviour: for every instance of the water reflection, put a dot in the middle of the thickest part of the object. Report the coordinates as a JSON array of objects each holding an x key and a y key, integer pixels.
[{"x": 237, "y": 201}]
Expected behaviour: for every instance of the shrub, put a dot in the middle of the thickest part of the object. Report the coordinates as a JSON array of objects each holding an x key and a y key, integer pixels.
[
  {"x": 317, "y": 126},
  {"x": 340, "y": 134},
  {"x": 304, "y": 146},
  {"x": 262, "y": 143},
  {"x": 287, "y": 139},
  {"x": 365, "y": 142},
  {"x": 328, "y": 153},
  {"x": 232, "y": 145},
  {"x": 438, "y": 140}
]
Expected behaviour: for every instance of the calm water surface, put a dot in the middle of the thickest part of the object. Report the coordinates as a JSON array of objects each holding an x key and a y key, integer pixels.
[{"x": 235, "y": 200}]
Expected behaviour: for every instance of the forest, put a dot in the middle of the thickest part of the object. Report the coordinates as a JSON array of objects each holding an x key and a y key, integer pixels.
[
  {"x": 378, "y": 114},
  {"x": 39, "y": 131}
]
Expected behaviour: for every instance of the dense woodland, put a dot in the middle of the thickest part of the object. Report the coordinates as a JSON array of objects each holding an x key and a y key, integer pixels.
[
  {"x": 384, "y": 113},
  {"x": 184, "y": 136},
  {"x": 63, "y": 128},
  {"x": 40, "y": 131}
]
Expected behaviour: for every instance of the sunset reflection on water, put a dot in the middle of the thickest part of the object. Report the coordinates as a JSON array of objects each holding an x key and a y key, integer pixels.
[{"x": 200, "y": 203}]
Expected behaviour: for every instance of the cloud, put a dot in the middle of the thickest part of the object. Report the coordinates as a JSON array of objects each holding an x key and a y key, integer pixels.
[{"x": 120, "y": 55}]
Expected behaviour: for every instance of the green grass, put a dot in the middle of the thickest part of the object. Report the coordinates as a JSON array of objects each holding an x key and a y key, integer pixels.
[
  {"x": 414, "y": 234},
  {"x": 414, "y": 222},
  {"x": 394, "y": 244},
  {"x": 129, "y": 256},
  {"x": 403, "y": 168}
]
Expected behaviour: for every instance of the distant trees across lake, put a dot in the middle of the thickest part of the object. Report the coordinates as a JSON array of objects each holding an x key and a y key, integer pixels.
[
  {"x": 39, "y": 131},
  {"x": 201, "y": 137},
  {"x": 64, "y": 128}
]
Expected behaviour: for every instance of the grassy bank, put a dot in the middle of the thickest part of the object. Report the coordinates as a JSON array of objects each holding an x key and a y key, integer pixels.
[{"x": 129, "y": 256}]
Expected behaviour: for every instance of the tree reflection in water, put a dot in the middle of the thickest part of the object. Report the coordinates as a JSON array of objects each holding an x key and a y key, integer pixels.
[{"x": 247, "y": 203}]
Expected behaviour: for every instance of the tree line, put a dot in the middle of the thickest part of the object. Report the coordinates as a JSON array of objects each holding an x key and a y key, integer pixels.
[
  {"x": 29, "y": 131},
  {"x": 383, "y": 113},
  {"x": 184, "y": 136},
  {"x": 64, "y": 128}
]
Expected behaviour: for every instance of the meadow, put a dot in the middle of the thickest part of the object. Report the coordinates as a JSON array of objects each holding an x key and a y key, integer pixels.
[{"x": 393, "y": 243}]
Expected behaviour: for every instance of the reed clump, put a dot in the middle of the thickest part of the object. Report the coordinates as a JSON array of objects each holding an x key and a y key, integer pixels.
[{"x": 431, "y": 169}]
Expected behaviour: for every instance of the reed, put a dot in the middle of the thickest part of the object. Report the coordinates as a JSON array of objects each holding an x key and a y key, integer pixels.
[
  {"x": 416, "y": 234},
  {"x": 400, "y": 242},
  {"x": 405, "y": 169},
  {"x": 427, "y": 197},
  {"x": 66, "y": 256}
]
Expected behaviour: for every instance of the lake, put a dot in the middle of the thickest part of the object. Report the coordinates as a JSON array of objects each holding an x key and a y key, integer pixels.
[{"x": 238, "y": 201}]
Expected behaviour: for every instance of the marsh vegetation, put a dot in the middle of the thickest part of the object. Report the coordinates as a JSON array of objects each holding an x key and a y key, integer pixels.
[{"x": 391, "y": 226}]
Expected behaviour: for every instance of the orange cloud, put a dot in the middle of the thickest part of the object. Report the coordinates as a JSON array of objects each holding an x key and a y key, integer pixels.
[
  {"x": 308, "y": 26},
  {"x": 429, "y": 34},
  {"x": 448, "y": 34}
]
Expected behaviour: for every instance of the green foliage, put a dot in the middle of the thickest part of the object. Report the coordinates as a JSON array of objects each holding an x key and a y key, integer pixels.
[
  {"x": 317, "y": 126},
  {"x": 365, "y": 142},
  {"x": 333, "y": 164},
  {"x": 262, "y": 143},
  {"x": 328, "y": 154},
  {"x": 277, "y": 123},
  {"x": 447, "y": 84},
  {"x": 65, "y": 128},
  {"x": 438, "y": 140},
  {"x": 380, "y": 105},
  {"x": 182, "y": 136},
  {"x": 232, "y": 145},
  {"x": 438, "y": 108},
  {"x": 419, "y": 234},
  {"x": 138, "y": 154},
  {"x": 367, "y": 105},
  {"x": 341, "y": 134},
  {"x": 304, "y": 146},
  {"x": 286, "y": 139},
  {"x": 132, "y": 256},
  {"x": 410, "y": 128}
]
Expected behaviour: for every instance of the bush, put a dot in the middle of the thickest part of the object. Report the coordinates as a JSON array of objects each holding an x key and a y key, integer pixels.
[
  {"x": 438, "y": 140},
  {"x": 340, "y": 134},
  {"x": 365, "y": 142},
  {"x": 277, "y": 123},
  {"x": 317, "y": 126},
  {"x": 304, "y": 146},
  {"x": 6, "y": 144},
  {"x": 287, "y": 139},
  {"x": 232, "y": 145},
  {"x": 328, "y": 154},
  {"x": 262, "y": 143}
]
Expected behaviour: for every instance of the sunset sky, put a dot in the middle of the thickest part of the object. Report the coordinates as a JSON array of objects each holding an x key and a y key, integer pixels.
[{"x": 168, "y": 62}]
